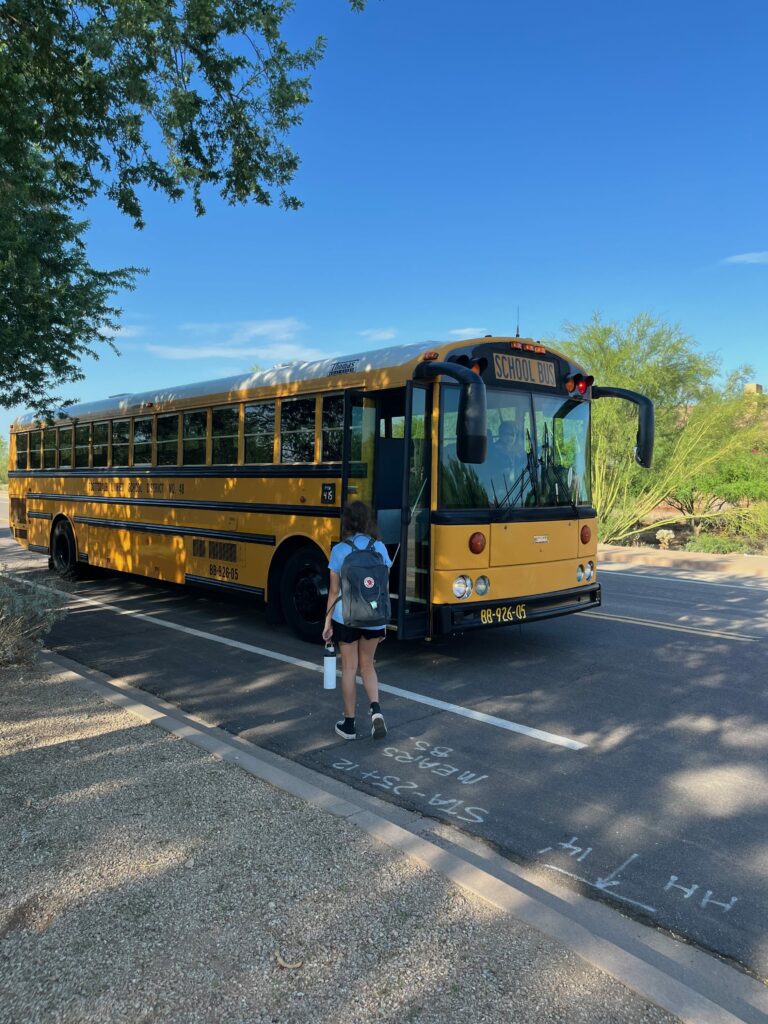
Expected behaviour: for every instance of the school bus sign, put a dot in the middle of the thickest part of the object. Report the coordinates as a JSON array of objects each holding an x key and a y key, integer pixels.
[{"x": 522, "y": 370}]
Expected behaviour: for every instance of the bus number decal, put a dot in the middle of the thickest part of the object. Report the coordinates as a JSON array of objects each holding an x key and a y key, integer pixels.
[
  {"x": 222, "y": 572},
  {"x": 505, "y": 613}
]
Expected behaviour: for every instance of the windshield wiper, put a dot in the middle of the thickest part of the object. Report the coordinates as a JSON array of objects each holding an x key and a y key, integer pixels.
[{"x": 550, "y": 468}]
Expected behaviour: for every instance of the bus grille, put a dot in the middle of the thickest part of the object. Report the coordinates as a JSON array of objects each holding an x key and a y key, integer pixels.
[
  {"x": 222, "y": 551},
  {"x": 218, "y": 550},
  {"x": 18, "y": 510}
]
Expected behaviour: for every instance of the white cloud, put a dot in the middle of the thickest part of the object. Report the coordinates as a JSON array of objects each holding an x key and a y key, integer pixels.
[
  {"x": 124, "y": 331},
  {"x": 266, "y": 355},
  {"x": 468, "y": 332},
  {"x": 130, "y": 331},
  {"x": 242, "y": 331},
  {"x": 747, "y": 257},
  {"x": 379, "y": 333},
  {"x": 266, "y": 341}
]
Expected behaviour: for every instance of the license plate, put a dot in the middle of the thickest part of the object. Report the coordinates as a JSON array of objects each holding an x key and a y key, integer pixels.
[{"x": 501, "y": 614}]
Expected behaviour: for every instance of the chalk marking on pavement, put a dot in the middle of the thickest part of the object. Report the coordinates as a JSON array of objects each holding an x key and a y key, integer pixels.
[
  {"x": 419, "y": 698},
  {"x": 693, "y": 630},
  {"x": 609, "y": 892},
  {"x": 682, "y": 579}
]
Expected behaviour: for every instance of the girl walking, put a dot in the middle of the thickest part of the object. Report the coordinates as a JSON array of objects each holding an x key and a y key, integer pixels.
[{"x": 357, "y": 646}]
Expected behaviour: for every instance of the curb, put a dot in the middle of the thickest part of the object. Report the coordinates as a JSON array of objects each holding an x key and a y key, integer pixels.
[
  {"x": 688, "y": 561},
  {"x": 695, "y": 987}
]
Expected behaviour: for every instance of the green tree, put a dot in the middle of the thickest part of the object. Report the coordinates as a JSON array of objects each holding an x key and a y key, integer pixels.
[
  {"x": 54, "y": 307},
  {"x": 3, "y": 461},
  {"x": 723, "y": 489},
  {"x": 124, "y": 95},
  {"x": 659, "y": 360}
]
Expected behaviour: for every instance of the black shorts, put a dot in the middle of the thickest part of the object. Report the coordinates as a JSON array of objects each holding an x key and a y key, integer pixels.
[{"x": 350, "y": 635}]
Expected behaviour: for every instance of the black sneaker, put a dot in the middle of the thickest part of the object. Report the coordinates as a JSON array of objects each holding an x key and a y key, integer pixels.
[
  {"x": 378, "y": 726},
  {"x": 346, "y": 730}
]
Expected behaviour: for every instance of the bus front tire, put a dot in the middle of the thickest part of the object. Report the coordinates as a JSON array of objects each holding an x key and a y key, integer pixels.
[
  {"x": 63, "y": 558},
  {"x": 304, "y": 593}
]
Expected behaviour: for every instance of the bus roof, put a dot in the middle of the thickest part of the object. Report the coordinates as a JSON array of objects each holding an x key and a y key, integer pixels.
[{"x": 235, "y": 388}]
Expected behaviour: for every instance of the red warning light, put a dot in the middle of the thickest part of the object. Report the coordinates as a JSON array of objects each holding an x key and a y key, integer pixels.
[{"x": 578, "y": 382}]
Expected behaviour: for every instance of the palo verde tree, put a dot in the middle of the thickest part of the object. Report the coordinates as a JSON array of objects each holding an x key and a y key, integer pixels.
[
  {"x": 723, "y": 488},
  {"x": 700, "y": 428},
  {"x": 117, "y": 96}
]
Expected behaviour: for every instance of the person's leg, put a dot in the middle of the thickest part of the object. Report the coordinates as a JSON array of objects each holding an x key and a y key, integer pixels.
[
  {"x": 366, "y": 651},
  {"x": 349, "y": 659}
]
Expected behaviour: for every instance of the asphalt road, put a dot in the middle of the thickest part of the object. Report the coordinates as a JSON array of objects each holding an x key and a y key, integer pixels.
[{"x": 623, "y": 750}]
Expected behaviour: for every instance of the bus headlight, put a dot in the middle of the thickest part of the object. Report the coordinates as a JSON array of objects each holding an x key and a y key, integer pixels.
[
  {"x": 462, "y": 586},
  {"x": 482, "y": 586},
  {"x": 590, "y": 571},
  {"x": 580, "y": 574}
]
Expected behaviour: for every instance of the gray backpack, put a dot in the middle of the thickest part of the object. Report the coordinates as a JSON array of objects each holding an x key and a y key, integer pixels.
[{"x": 364, "y": 588}]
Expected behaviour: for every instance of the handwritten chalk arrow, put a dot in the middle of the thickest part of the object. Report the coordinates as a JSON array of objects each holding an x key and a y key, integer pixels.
[{"x": 609, "y": 880}]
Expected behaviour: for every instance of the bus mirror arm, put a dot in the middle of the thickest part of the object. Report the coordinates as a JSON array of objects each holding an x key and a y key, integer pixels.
[
  {"x": 645, "y": 420},
  {"x": 471, "y": 426}
]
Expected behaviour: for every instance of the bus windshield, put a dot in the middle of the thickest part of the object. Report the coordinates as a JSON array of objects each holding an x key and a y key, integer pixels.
[{"x": 538, "y": 453}]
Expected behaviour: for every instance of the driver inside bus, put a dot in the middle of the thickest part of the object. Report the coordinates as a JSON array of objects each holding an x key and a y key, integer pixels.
[
  {"x": 507, "y": 461},
  {"x": 509, "y": 449}
]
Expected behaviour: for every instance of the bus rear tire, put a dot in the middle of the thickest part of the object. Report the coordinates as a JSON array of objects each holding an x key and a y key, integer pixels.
[
  {"x": 64, "y": 551},
  {"x": 304, "y": 593}
]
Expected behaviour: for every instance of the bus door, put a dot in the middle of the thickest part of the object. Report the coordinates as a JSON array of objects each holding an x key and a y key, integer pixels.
[
  {"x": 357, "y": 473},
  {"x": 414, "y": 578}
]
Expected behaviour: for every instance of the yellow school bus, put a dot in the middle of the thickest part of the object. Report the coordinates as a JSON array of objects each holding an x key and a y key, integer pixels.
[{"x": 475, "y": 456}]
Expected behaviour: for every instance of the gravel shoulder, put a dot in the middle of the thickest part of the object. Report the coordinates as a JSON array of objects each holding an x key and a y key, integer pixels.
[{"x": 142, "y": 879}]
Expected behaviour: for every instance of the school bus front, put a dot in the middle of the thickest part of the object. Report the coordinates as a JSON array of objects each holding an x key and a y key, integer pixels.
[{"x": 514, "y": 539}]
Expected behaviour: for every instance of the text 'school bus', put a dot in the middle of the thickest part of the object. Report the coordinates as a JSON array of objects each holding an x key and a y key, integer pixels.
[{"x": 475, "y": 456}]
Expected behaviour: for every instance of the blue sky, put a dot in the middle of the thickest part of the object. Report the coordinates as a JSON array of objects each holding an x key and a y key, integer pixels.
[{"x": 458, "y": 160}]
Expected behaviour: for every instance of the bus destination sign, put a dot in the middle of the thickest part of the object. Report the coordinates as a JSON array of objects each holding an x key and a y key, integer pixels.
[{"x": 522, "y": 370}]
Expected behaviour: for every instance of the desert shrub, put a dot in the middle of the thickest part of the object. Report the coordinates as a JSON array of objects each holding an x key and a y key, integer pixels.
[
  {"x": 752, "y": 526},
  {"x": 718, "y": 544},
  {"x": 27, "y": 614}
]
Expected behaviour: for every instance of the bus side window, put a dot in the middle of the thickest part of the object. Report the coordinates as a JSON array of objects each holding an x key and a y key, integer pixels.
[
  {"x": 100, "y": 445},
  {"x": 259, "y": 432},
  {"x": 22, "y": 447},
  {"x": 82, "y": 444},
  {"x": 333, "y": 428},
  {"x": 65, "y": 447},
  {"x": 297, "y": 430},
  {"x": 168, "y": 440},
  {"x": 225, "y": 426},
  {"x": 35, "y": 443},
  {"x": 142, "y": 441},
  {"x": 49, "y": 448},
  {"x": 195, "y": 431},
  {"x": 121, "y": 436}
]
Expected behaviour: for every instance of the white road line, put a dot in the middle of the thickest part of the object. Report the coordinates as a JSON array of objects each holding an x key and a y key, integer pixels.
[
  {"x": 419, "y": 698},
  {"x": 480, "y": 716},
  {"x": 693, "y": 630},
  {"x": 638, "y": 575}
]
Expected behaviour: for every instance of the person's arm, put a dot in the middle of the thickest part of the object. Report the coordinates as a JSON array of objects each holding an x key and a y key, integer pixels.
[{"x": 333, "y": 593}]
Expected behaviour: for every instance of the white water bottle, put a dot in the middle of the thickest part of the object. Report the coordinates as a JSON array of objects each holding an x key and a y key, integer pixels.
[{"x": 329, "y": 667}]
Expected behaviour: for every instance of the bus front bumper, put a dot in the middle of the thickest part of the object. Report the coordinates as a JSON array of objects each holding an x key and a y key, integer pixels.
[{"x": 484, "y": 614}]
